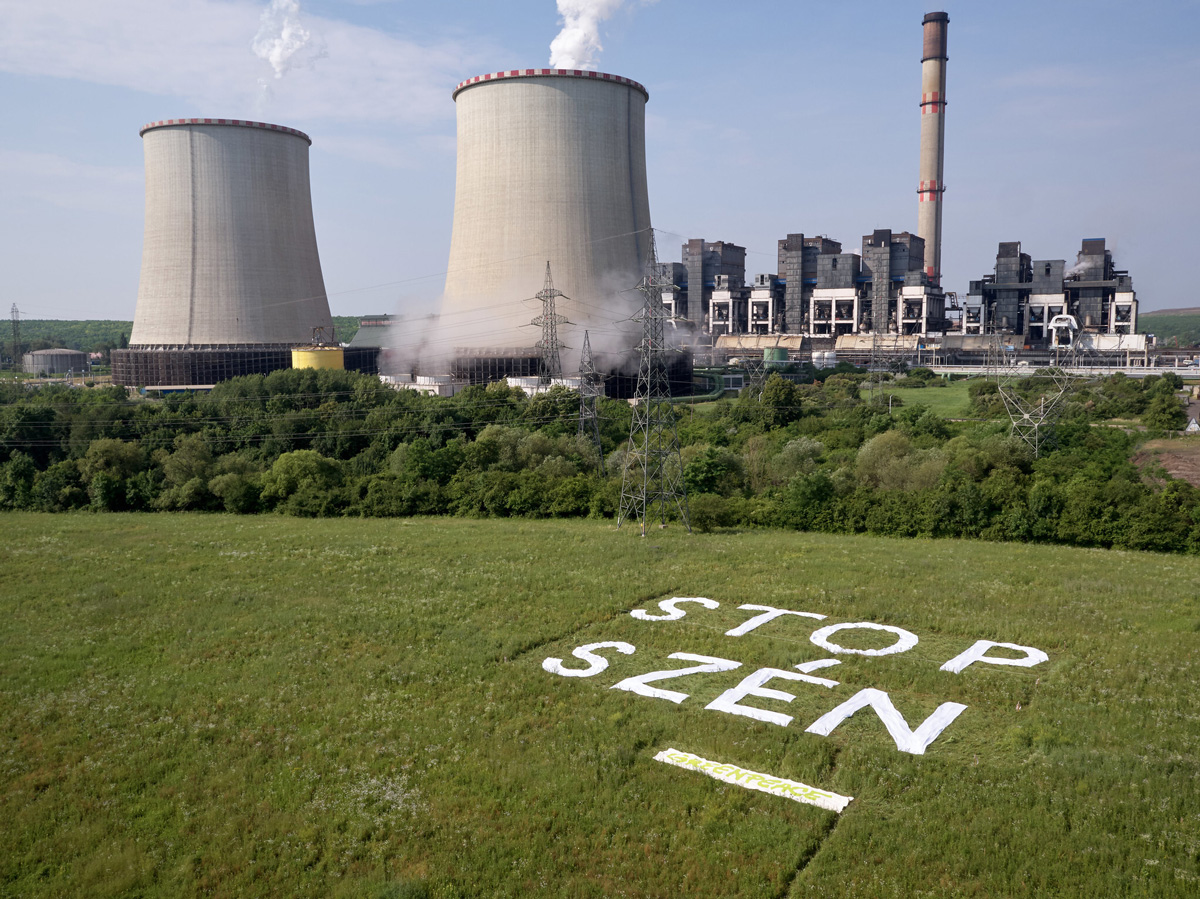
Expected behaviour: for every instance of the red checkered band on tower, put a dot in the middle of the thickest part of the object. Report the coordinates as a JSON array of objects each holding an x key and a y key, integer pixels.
[
  {"x": 549, "y": 73},
  {"x": 240, "y": 123}
]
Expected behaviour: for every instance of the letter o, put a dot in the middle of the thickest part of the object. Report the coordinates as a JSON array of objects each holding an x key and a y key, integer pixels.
[{"x": 906, "y": 642}]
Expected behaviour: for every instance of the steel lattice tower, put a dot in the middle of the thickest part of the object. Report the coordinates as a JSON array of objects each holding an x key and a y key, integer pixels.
[
  {"x": 1033, "y": 417},
  {"x": 549, "y": 321},
  {"x": 591, "y": 387},
  {"x": 653, "y": 478},
  {"x": 16, "y": 337}
]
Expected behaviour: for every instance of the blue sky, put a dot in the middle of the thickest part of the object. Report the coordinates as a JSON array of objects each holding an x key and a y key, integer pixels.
[{"x": 1066, "y": 120}]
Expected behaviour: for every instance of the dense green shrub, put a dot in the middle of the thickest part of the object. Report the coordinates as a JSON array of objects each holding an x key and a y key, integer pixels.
[{"x": 808, "y": 453}]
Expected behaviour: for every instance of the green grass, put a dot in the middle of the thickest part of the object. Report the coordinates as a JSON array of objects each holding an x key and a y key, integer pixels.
[
  {"x": 948, "y": 401},
  {"x": 211, "y": 705}
]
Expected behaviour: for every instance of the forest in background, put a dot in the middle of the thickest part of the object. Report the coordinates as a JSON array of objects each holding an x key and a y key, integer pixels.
[
  {"x": 102, "y": 335},
  {"x": 808, "y": 453}
]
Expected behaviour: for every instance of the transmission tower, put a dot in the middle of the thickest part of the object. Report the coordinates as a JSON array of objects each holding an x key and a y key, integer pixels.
[
  {"x": 1034, "y": 413},
  {"x": 875, "y": 372},
  {"x": 653, "y": 478},
  {"x": 16, "y": 337},
  {"x": 591, "y": 387},
  {"x": 756, "y": 376},
  {"x": 548, "y": 321}
]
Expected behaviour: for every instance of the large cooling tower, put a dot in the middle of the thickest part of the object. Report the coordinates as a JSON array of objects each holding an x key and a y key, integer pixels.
[
  {"x": 551, "y": 168},
  {"x": 231, "y": 279}
]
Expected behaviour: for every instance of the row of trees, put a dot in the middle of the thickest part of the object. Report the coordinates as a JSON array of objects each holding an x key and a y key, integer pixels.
[{"x": 802, "y": 455}]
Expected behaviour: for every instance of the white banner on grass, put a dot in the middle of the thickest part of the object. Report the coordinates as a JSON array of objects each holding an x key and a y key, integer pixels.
[{"x": 778, "y": 786}]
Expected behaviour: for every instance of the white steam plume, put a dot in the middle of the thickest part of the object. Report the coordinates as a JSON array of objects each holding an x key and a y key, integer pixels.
[
  {"x": 282, "y": 40},
  {"x": 577, "y": 44}
]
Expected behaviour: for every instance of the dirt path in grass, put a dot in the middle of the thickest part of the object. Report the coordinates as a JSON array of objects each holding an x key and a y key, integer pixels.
[{"x": 1179, "y": 457}]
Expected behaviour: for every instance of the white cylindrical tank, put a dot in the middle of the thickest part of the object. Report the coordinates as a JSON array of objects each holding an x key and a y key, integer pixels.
[
  {"x": 229, "y": 257},
  {"x": 551, "y": 168}
]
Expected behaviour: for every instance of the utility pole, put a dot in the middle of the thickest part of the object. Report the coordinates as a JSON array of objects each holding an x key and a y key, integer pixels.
[{"x": 653, "y": 478}]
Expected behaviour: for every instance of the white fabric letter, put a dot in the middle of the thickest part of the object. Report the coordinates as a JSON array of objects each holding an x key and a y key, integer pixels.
[
  {"x": 673, "y": 613},
  {"x": 906, "y": 642},
  {"x": 753, "y": 686},
  {"x": 978, "y": 653},
  {"x": 907, "y": 740},
  {"x": 637, "y": 684},
  {"x": 596, "y": 663},
  {"x": 770, "y": 613}
]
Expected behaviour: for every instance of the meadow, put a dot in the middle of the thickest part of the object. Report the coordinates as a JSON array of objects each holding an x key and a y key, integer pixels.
[
  {"x": 949, "y": 399},
  {"x": 210, "y": 704}
]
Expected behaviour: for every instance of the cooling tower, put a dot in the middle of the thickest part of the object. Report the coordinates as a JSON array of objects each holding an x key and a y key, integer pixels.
[
  {"x": 231, "y": 279},
  {"x": 551, "y": 168},
  {"x": 933, "y": 141}
]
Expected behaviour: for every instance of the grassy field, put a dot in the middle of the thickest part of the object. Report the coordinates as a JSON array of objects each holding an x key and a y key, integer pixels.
[
  {"x": 948, "y": 401},
  {"x": 211, "y": 705}
]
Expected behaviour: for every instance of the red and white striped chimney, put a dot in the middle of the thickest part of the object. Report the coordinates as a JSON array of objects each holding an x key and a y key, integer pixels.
[{"x": 933, "y": 142}]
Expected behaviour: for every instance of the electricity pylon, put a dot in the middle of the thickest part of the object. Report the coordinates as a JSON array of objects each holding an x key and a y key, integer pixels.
[
  {"x": 591, "y": 388},
  {"x": 653, "y": 477},
  {"x": 548, "y": 321}
]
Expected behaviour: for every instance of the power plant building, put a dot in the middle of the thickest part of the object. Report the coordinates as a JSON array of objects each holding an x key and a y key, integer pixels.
[
  {"x": 1023, "y": 295},
  {"x": 231, "y": 279},
  {"x": 551, "y": 169},
  {"x": 822, "y": 292}
]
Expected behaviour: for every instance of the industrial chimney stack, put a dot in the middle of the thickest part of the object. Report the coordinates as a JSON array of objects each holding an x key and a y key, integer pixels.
[{"x": 933, "y": 142}]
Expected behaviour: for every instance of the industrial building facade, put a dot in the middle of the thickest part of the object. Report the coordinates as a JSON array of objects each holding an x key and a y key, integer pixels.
[
  {"x": 1024, "y": 296},
  {"x": 819, "y": 291}
]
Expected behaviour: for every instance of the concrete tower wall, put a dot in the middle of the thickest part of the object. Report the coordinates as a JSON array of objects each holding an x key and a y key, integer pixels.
[
  {"x": 230, "y": 252},
  {"x": 933, "y": 140},
  {"x": 551, "y": 168}
]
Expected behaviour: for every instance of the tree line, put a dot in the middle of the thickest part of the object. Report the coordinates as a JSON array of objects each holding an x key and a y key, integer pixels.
[{"x": 809, "y": 452}]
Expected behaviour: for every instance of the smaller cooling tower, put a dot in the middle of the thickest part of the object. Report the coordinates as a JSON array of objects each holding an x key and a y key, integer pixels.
[
  {"x": 231, "y": 279},
  {"x": 551, "y": 169}
]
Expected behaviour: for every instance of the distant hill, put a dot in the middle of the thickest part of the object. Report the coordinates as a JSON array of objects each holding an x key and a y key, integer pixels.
[
  {"x": 101, "y": 335},
  {"x": 1172, "y": 327}
]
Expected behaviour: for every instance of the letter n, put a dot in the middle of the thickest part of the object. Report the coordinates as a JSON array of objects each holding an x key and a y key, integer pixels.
[{"x": 907, "y": 740}]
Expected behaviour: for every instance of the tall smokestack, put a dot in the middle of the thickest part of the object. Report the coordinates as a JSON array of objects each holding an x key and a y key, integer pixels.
[{"x": 933, "y": 142}]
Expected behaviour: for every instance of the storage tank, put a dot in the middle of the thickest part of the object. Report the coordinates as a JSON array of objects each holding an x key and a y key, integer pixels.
[
  {"x": 551, "y": 168},
  {"x": 231, "y": 279},
  {"x": 318, "y": 357},
  {"x": 775, "y": 355}
]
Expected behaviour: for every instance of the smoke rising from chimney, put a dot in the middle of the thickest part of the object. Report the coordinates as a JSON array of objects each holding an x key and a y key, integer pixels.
[
  {"x": 577, "y": 45},
  {"x": 282, "y": 41}
]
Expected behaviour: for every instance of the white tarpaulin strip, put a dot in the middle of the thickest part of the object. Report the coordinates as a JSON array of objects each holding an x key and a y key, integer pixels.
[{"x": 778, "y": 786}]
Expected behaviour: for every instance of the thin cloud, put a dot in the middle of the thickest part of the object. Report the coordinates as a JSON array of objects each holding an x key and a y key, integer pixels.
[
  {"x": 201, "y": 51},
  {"x": 68, "y": 184}
]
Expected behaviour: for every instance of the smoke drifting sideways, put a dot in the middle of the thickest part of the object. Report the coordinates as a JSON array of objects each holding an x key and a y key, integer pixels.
[
  {"x": 503, "y": 322},
  {"x": 578, "y": 44},
  {"x": 284, "y": 43}
]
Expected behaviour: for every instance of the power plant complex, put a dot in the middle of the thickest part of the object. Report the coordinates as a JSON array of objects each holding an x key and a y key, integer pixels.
[{"x": 551, "y": 181}]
